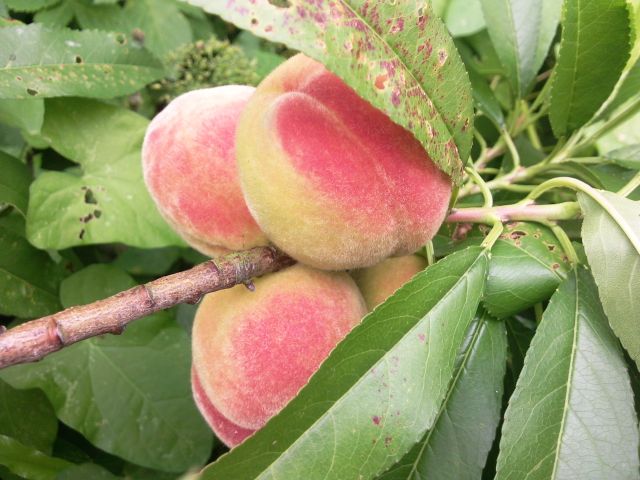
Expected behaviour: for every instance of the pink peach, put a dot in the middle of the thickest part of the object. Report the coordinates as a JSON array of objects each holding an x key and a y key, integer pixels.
[
  {"x": 190, "y": 170},
  {"x": 253, "y": 351},
  {"x": 330, "y": 179}
]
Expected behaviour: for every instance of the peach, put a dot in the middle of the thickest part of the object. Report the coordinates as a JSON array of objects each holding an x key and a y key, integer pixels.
[
  {"x": 379, "y": 282},
  {"x": 330, "y": 179},
  {"x": 253, "y": 351},
  {"x": 190, "y": 170}
]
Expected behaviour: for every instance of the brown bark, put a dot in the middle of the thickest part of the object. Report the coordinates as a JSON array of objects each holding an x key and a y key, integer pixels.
[{"x": 33, "y": 340}]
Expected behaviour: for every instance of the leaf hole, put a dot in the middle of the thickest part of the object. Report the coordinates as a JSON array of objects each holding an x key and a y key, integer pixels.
[
  {"x": 121, "y": 39},
  {"x": 97, "y": 213},
  {"x": 89, "y": 198},
  {"x": 77, "y": 59},
  {"x": 280, "y": 3},
  {"x": 32, "y": 91}
]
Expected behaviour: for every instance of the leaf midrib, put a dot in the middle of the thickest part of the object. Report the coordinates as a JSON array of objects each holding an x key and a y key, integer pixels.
[
  {"x": 452, "y": 386},
  {"x": 569, "y": 376},
  {"x": 407, "y": 69},
  {"x": 339, "y": 401}
]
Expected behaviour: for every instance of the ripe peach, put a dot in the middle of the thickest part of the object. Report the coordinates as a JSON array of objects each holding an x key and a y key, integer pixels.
[
  {"x": 330, "y": 179},
  {"x": 190, "y": 170},
  {"x": 253, "y": 351},
  {"x": 379, "y": 282}
]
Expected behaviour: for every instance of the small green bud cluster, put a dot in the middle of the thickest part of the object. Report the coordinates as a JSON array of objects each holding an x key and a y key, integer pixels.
[{"x": 203, "y": 64}]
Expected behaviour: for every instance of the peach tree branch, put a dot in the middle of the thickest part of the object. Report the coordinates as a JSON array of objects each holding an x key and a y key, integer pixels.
[{"x": 35, "y": 339}]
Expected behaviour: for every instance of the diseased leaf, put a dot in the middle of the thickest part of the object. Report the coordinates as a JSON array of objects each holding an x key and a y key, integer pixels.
[
  {"x": 14, "y": 183},
  {"x": 611, "y": 237},
  {"x": 594, "y": 49},
  {"x": 159, "y": 23},
  {"x": 572, "y": 413},
  {"x": 396, "y": 55},
  {"x": 458, "y": 444},
  {"x": 29, "y": 279},
  {"x": 108, "y": 201},
  {"x": 386, "y": 381},
  {"x": 28, "y": 462},
  {"x": 27, "y": 416},
  {"x": 128, "y": 395},
  {"x": 36, "y": 61},
  {"x": 521, "y": 32},
  {"x": 527, "y": 265}
]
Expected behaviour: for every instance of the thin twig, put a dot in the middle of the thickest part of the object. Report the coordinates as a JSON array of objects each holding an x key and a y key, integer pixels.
[{"x": 33, "y": 340}]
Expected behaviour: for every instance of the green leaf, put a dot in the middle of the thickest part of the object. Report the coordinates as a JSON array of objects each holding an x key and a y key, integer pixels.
[
  {"x": 266, "y": 60},
  {"x": 108, "y": 201},
  {"x": 458, "y": 444},
  {"x": 14, "y": 183},
  {"x": 462, "y": 17},
  {"x": 614, "y": 177},
  {"x": 593, "y": 52},
  {"x": 385, "y": 381},
  {"x": 28, "y": 462},
  {"x": 149, "y": 261},
  {"x": 521, "y": 32},
  {"x": 29, "y": 279},
  {"x": 128, "y": 395},
  {"x": 485, "y": 99},
  {"x": 628, "y": 157},
  {"x": 611, "y": 237},
  {"x": 394, "y": 45},
  {"x": 572, "y": 414},
  {"x": 160, "y": 23},
  {"x": 25, "y": 114},
  {"x": 520, "y": 331},
  {"x": 36, "y": 61},
  {"x": 86, "y": 471},
  {"x": 29, "y": 5},
  {"x": 527, "y": 265},
  {"x": 624, "y": 101},
  {"x": 57, "y": 16},
  {"x": 27, "y": 416}
]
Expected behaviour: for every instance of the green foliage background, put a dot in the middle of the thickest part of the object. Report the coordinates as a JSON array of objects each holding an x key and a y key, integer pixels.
[{"x": 533, "y": 339}]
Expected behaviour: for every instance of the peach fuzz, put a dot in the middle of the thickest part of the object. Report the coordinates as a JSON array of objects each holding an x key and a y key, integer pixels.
[
  {"x": 189, "y": 167},
  {"x": 379, "y": 282},
  {"x": 330, "y": 179},
  {"x": 253, "y": 351}
]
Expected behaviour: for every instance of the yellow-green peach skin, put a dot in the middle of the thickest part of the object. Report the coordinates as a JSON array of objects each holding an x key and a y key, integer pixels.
[
  {"x": 190, "y": 170},
  {"x": 253, "y": 351},
  {"x": 331, "y": 180},
  {"x": 379, "y": 282}
]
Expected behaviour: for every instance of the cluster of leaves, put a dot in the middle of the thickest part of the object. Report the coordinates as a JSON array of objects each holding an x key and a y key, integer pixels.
[{"x": 503, "y": 358}]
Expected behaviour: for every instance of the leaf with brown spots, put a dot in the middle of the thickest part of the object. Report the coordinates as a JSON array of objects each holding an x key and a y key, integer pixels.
[
  {"x": 39, "y": 62},
  {"x": 397, "y": 55}
]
